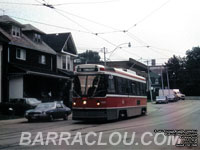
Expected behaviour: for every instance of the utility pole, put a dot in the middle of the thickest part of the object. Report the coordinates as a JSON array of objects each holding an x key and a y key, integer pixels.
[
  {"x": 162, "y": 80},
  {"x": 104, "y": 51},
  {"x": 168, "y": 81},
  {"x": 149, "y": 81},
  {"x": 167, "y": 78}
]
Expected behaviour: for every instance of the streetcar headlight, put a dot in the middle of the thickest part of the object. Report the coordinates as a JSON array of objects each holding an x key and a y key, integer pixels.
[
  {"x": 74, "y": 103},
  {"x": 84, "y": 102},
  {"x": 98, "y": 103}
]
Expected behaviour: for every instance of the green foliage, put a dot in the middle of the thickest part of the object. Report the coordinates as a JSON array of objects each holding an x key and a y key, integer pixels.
[
  {"x": 89, "y": 57},
  {"x": 184, "y": 72}
]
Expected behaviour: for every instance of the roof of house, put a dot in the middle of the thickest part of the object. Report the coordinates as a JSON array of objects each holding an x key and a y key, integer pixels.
[
  {"x": 29, "y": 27},
  {"x": 25, "y": 42},
  {"x": 61, "y": 42},
  {"x": 22, "y": 69},
  {"x": 8, "y": 20}
]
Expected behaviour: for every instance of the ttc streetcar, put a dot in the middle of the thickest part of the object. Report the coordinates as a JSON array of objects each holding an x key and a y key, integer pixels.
[{"x": 107, "y": 93}]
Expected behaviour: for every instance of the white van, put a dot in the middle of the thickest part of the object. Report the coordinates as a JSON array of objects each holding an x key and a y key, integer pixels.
[
  {"x": 171, "y": 96},
  {"x": 179, "y": 94}
]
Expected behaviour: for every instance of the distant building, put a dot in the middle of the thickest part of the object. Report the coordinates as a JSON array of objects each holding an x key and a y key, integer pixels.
[
  {"x": 29, "y": 65},
  {"x": 138, "y": 67}
]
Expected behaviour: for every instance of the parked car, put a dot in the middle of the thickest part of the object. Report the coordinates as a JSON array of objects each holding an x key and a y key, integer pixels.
[
  {"x": 182, "y": 96},
  {"x": 48, "y": 111},
  {"x": 32, "y": 102},
  {"x": 171, "y": 98},
  {"x": 161, "y": 99}
]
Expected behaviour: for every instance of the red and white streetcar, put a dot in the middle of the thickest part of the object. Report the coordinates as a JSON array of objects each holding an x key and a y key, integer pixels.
[{"x": 107, "y": 93}]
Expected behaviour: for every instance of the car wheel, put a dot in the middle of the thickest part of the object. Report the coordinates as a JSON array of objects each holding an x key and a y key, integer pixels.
[
  {"x": 144, "y": 112},
  {"x": 51, "y": 117},
  {"x": 65, "y": 117},
  {"x": 30, "y": 120}
]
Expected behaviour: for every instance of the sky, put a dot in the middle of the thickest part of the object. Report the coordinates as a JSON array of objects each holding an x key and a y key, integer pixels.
[{"x": 156, "y": 29}]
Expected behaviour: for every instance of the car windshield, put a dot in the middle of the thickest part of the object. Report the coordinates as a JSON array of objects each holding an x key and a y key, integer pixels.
[
  {"x": 162, "y": 97},
  {"x": 32, "y": 100},
  {"x": 45, "y": 105},
  {"x": 89, "y": 85}
]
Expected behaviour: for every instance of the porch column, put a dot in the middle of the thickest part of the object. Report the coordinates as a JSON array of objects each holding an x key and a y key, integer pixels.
[{"x": 1, "y": 48}]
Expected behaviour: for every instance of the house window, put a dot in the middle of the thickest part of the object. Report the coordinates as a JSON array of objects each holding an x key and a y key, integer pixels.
[
  {"x": 21, "y": 54},
  {"x": 15, "y": 31},
  {"x": 37, "y": 37},
  {"x": 42, "y": 59},
  {"x": 64, "y": 64}
]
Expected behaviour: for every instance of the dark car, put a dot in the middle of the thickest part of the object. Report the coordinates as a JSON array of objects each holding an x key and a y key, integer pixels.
[
  {"x": 31, "y": 102},
  {"x": 48, "y": 111}
]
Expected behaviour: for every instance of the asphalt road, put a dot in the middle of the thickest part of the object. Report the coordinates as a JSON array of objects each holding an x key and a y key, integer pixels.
[{"x": 133, "y": 133}]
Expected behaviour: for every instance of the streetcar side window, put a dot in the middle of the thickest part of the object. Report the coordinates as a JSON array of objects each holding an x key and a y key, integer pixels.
[
  {"x": 137, "y": 88},
  {"x": 124, "y": 86},
  {"x": 133, "y": 87},
  {"x": 119, "y": 85},
  {"x": 111, "y": 84}
]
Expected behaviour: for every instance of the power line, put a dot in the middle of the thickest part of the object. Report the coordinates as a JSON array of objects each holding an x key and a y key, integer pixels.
[
  {"x": 150, "y": 14},
  {"x": 51, "y": 25},
  {"x": 85, "y": 3},
  {"x": 106, "y": 40},
  {"x": 73, "y": 21},
  {"x": 89, "y": 31},
  {"x": 143, "y": 43},
  {"x": 20, "y": 4},
  {"x": 89, "y": 20},
  {"x": 44, "y": 3}
]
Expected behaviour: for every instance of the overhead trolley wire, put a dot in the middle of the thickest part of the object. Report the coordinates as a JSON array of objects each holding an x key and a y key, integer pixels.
[
  {"x": 20, "y": 3},
  {"x": 89, "y": 20},
  {"x": 73, "y": 21},
  {"x": 143, "y": 43},
  {"x": 149, "y": 15},
  {"x": 74, "y": 3}
]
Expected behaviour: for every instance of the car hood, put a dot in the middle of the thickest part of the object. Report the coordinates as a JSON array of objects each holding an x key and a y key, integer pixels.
[{"x": 39, "y": 110}]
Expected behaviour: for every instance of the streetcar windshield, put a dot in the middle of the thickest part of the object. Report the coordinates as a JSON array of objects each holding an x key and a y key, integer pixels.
[{"x": 89, "y": 85}]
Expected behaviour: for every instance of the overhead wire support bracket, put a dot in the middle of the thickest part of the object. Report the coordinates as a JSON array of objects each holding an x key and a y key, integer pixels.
[{"x": 48, "y": 5}]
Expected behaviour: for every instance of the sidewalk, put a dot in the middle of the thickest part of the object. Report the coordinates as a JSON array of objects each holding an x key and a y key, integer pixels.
[{"x": 151, "y": 107}]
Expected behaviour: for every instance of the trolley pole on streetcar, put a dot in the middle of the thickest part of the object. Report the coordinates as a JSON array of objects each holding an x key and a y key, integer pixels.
[{"x": 104, "y": 52}]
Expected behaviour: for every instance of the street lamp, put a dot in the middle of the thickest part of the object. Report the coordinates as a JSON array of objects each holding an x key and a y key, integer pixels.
[
  {"x": 111, "y": 52},
  {"x": 118, "y": 46}
]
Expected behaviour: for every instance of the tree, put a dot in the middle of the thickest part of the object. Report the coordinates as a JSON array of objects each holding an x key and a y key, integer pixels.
[
  {"x": 89, "y": 57},
  {"x": 184, "y": 73},
  {"x": 176, "y": 71},
  {"x": 193, "y": 70}
]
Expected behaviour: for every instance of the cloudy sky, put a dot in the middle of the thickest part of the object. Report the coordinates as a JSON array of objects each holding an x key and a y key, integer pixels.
[{"x": 156, "y": 29}]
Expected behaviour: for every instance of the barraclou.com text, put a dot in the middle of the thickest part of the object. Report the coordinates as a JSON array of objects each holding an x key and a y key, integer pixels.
[{"x": 92, "y": 138}]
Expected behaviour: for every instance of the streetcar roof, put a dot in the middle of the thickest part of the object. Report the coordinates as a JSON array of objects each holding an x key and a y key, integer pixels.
[{"x": 96, "y": 69}]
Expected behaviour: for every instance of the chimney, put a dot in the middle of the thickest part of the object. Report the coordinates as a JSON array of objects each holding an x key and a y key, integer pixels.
[{"x": 153, "y": 62}]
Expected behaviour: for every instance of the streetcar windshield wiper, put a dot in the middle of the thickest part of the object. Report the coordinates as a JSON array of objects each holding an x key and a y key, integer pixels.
[
  {"x": 76, "y": 93},
  {"x": 95, "y": 87}
]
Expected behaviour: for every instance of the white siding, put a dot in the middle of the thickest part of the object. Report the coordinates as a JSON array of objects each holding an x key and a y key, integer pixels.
[
  {"x": 16, "y": 87},
  {"x": 59, "y": 62},
  {"x": 68, "y": 60},
  {"x": 0, "y": 72}
]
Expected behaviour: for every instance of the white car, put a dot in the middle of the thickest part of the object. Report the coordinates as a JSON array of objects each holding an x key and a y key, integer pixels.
[
  {"x": 171, "y": 98},
  {"x": 161, "y": 99}
]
